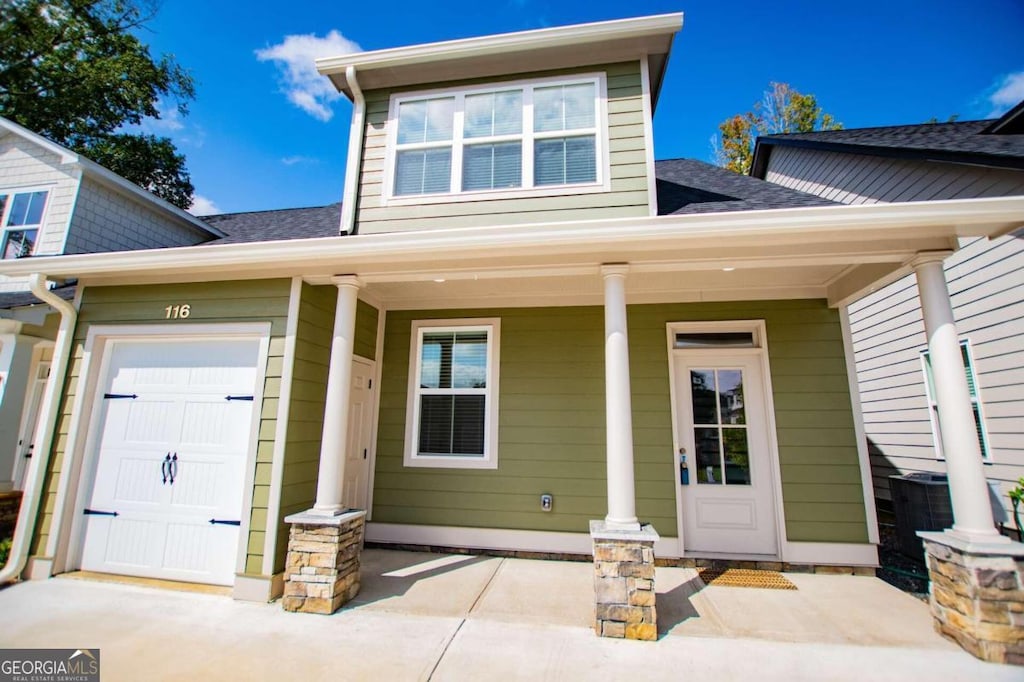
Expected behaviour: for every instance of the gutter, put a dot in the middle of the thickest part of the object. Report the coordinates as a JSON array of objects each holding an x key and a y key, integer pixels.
[
  {"x": 48, "y": 410},
  {"x": 353, "y": 169}
]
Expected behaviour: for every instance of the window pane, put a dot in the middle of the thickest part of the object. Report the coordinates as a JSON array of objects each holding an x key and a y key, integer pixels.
[
  {"x": 737, "y": 456},
  {"x": 469, "y": 360},
  {"x": 423, "y": 171},
  {"x": 426, "y": 120},
  {"x": 730, "y": 396},
  {"x": 715, "y": 340},
  {"x": 27, "y": 209},
  {"x": 468, "y": 425},
  {"x": 19, "y": 244},
  {"x": 494, "y": 113},
  {"x": 703, "y": 389},
  {"x": 564, "y": 161},
  {"x": 564, "y": 107},
  {"x": 709, "y": 463},
  {"x": 492, "y": 166},
  {"x": 430, "y": 359},
  {"x": 436, "y": 424}
]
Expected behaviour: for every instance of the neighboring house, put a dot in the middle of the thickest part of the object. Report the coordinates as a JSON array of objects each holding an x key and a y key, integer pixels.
[
  {"x": 927, "y": 162},
  {"x": 52, "y": 202},
  {"x": 525, "y": 326}
]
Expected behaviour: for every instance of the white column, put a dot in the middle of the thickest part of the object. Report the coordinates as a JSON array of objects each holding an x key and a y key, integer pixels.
[
  {"x": 618, "y": 404},
  {"x": 331, "y": 478},
  {"x": 968, "y": 491}
]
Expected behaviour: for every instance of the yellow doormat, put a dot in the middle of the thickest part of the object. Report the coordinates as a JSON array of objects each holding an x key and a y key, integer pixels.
[{"x": 742, "y": 577}]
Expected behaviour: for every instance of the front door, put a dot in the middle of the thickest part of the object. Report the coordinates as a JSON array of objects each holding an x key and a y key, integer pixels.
[
  {"x": 727, "y": 503},
  {"x": 29, "y": 421},
  {"x": 173, "y": 441},
  {"x": 360, "y": 425}
]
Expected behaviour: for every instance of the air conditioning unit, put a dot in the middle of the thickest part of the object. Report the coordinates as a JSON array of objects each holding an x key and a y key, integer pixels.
[{"x": 920, "y": 501}]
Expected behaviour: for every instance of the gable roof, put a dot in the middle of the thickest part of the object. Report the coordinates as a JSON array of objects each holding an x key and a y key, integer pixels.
[
  {"x": 105, "y": 176},
  {"x": 691, "y": 186},
  {"x": 985, "y": 143}
]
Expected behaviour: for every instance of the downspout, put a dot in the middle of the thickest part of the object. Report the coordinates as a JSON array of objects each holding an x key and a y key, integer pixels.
[
  {"x": 44, "y": 429},
  {"x": 354, "y": 167}
]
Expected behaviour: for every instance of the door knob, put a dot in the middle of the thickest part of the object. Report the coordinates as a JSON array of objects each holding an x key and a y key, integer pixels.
[{"x": 682, "y": 451}]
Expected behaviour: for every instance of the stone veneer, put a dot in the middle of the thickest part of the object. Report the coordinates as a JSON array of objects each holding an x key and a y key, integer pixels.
[
  {"x": 322, "y": 570},
  {"x": 624, "y": 582},
  {"x": 977, "y": 595}
]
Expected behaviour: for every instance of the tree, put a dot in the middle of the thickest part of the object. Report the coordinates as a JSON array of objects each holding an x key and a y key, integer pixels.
[
  {"x": 781, "y": 110},
  {"x": 73, "y": 71}
]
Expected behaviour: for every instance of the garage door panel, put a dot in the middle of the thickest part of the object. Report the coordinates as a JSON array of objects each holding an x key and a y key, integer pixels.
[{"x": 178, "y": 408}]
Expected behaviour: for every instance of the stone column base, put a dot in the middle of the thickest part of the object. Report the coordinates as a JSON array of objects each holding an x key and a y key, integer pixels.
[
  {"x": 322, "y": 570},
  {"x": 977, "y": 595},
  {"x": 624, "y": 582}
]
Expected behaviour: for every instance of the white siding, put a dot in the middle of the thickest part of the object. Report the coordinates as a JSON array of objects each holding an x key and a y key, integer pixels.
[
  {"x": 106, "y": 220},
  {"x": 986, "y": 282},
  {"x": 24, "y": 164}
]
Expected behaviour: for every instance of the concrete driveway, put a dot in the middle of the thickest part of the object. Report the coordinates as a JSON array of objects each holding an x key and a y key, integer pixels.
[{"x": 444, "y": 617}]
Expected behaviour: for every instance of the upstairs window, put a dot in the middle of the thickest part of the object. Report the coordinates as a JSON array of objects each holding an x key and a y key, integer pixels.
[
  {"x": 22, "y": 216},
  {"x": 972, "y": 386},
  {"x": 528, "y": 136}
]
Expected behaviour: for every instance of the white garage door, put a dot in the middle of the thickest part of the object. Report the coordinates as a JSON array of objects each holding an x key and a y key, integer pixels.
[{"x": 174, "y": 432}]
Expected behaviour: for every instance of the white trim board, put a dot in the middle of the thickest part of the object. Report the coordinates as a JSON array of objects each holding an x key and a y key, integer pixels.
[{"x": 844, "y": 554}]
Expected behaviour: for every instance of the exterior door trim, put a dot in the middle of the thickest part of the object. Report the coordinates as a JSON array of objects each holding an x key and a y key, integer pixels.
[
  {"x": 759, "y": 331},
  {"x": 67, "y": 531}
]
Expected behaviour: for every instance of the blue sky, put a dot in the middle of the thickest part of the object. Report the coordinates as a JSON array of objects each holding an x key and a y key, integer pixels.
[{"x": 265, "y": 133}]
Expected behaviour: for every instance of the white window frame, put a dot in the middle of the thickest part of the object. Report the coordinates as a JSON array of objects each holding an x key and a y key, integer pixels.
[
  {"x": 602, "y": 182},
  {"x": 976, "y": 402},
  {"x": 10, "y": 193},
  {"x": 489, "y": 460}
]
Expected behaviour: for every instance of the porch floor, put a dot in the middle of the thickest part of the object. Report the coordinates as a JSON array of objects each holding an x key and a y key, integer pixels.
[{"x": 443, "y": 617}]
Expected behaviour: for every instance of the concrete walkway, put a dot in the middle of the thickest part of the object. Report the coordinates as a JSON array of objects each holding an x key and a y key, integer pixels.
[{"x": 440, "y": 617}]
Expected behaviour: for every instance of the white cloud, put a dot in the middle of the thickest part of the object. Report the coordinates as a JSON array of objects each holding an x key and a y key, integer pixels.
[
  {"x": 294, "y": 58},
  {"x": 169, "y": 120},
  {"x": 292, "y": 160},
  {"x": 1005, "y": 93},
  {"x": 203, "y": 206}
]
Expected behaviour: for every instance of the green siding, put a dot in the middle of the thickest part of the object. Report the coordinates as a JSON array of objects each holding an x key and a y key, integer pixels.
[
  {"x": 551, "y": 422},
  {"x": 365, "y": 344},
  {"x": 627, "y": 198},
  {"x": 306, "y": 415},
  {"x": 248, "y": 301}
]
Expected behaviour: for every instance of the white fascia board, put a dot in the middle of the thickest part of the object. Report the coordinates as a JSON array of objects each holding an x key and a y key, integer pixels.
[
  {"x": 107, "y": 177},
  {"x": 794, "y": 226},
  {"x": 468, "y": 48},
  {"x": 65, "y": 154}
]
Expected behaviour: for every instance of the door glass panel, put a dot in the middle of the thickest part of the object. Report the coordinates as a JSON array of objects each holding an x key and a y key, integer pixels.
[
  {"x": 737, "y": 456},
  {"x": 719, "y": 426},
  {"x": 730, "y": 396},
  {"x": 709, "y": 461},
  {"x": 702, "y": 382}
]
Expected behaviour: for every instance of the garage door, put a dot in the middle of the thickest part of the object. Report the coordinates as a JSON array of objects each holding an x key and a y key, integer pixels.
[{"x": 174, "y": 432}]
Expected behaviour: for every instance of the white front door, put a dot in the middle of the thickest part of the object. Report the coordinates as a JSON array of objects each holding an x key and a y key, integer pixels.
[
  {"x": 360, "y": 425},
  {"x": 174, "y": 433},
  {"x": 727, "y": 503},
  {"x": 29, "y": 420}
]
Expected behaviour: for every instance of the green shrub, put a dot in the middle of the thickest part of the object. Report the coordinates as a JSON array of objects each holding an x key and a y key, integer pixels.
[{"x": 5, "y": 550}]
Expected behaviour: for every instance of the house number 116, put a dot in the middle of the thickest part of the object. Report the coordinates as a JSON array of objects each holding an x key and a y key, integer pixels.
[{"x": 177, "y": 312}]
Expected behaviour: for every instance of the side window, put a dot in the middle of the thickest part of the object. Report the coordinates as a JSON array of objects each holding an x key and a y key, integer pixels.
[
  {"x": 22, "y": 215},
  {"x": 452, "y": 407},
  {"x": 972, "y": 385}
]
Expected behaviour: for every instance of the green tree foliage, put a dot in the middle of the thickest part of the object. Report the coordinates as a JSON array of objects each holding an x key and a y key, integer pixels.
[
  {"x": 75, "y": 72},
  {"x": 781, "y": 110}
]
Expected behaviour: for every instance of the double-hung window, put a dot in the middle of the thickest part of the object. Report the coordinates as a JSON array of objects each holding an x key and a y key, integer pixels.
[
  {"x": 527, "y": 137},
  {"x": 453, "y": 394},
  {"x": 972, "y": 385},
  {"x": 22, "y": 217}
]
